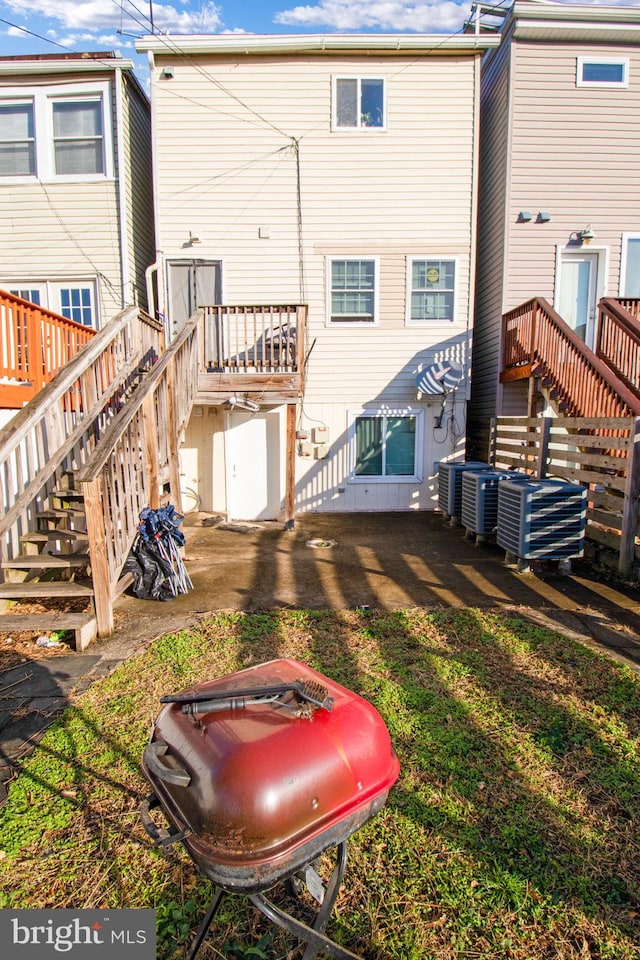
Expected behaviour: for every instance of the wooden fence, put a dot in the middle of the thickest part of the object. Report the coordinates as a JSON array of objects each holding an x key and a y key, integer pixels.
[{"x": 603, "y": 454}]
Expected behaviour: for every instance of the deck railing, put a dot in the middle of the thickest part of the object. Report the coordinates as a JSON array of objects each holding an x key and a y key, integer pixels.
[
  {"x": 34, "y": 344},
  {"x": 253, "y": 339},
  {"x": 618, "y": 339},
  {"x": 537, "y": 342}
]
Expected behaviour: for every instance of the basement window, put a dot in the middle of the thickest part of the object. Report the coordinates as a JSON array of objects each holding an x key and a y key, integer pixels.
[{"x": 385, "y": 446}]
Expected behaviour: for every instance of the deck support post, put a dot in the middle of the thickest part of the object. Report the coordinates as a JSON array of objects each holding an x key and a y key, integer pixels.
[
  {"x": 95, "y": 500},
  {"x": 630, "y": 508},
  {"x": 290, "y": 471}
]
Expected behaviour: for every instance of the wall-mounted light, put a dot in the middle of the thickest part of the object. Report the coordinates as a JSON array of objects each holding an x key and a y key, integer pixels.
[
  {"x": 194, "y": 238},
  {"x": 244, "y": 403},
  {"x": 582, "y": 236},
  {"x": 167, "y": 73},
  {"x": 525, "y": 216},
  {"x": 543, "y": 216}
]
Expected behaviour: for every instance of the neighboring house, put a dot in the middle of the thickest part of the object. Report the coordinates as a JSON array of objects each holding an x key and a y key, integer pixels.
[
  {"x": 75, "y": 184},
  {"x": 559, "y": 212},
  {"x": 338, "y": 172}
]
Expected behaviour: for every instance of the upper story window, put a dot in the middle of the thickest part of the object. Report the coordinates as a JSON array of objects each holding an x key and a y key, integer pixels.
[
  {"x": 358, "y": 103},
  {"x": 602, "y": 72},
  {"x": 432, "y": 291},
  {"x": 56, "y": 132},
  {"x": 353, "y": 291},
  {"x": 78, "y": 138},
  {"x": 17, "y": 142},
  {"x": 630, "y": 266},
  {"x": 73, "y": 299}
]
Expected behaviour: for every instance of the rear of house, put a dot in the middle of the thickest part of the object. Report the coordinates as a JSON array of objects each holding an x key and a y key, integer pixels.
[
  {"x": 559, "y": 214},
  {"x": 338, "y": 172}
]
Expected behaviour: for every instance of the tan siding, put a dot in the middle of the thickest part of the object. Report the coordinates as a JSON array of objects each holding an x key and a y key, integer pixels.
[
  {"x": 139, "y": 194},
  {"x": 494, "y": 148}
]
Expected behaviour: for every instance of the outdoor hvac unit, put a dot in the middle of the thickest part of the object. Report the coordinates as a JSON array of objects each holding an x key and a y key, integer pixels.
[
  {"x": 480, "y": 498},
  {"x": 543, "y": 519},
  {"x": 450, "y": 484}
]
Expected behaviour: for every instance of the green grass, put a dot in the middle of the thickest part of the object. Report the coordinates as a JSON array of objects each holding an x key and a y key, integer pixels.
[{"x": 512, "y": 832}]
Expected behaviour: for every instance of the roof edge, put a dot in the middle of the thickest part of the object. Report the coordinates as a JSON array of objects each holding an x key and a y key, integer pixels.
[{"x": 252, "y": 44}]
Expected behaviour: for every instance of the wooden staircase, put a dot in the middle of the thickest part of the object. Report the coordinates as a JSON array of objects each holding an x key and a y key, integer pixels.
[{"x": 54, "y": 566}]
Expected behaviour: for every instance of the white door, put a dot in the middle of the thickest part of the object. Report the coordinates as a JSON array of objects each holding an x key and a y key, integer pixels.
[
  {"x": 578, "y": 293},
  {"x": 253, "y": 466}
]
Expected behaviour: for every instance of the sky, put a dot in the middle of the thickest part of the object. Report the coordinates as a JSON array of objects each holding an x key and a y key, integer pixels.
[{"x": 50, "y": 26}]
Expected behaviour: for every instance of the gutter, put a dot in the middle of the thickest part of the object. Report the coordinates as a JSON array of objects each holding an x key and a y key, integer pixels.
[{"x": 256, "y": 44}]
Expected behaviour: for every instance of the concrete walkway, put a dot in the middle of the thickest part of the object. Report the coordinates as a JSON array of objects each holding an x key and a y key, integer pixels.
[{"x": 329, "y": 561}]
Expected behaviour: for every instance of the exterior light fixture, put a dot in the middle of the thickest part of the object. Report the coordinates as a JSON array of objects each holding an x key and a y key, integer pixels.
[
  {"x": 586, "y": 235},
  {"x": 194, "y": 238}
]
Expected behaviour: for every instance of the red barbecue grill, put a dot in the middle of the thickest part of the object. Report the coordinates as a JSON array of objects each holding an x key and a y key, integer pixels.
[{"x": 260, "y": 772}]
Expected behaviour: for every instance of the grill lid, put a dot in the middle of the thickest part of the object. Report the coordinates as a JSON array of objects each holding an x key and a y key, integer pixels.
[{"x": 256, "y": 780}]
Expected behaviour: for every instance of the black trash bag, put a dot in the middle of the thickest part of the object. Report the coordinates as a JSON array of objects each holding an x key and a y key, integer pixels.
[{"x": 150, "y": 571}]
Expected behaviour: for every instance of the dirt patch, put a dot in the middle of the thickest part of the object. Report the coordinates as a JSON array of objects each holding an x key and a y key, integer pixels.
[{"x": 18, "y": 646}]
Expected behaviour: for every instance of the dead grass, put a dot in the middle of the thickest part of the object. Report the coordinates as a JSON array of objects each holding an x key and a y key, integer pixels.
[{"x": 511, "y": 833}]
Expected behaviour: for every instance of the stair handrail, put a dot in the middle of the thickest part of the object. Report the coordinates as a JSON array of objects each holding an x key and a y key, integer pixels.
[
  {"x": 170, "y": 385},
  {"x": 537, "y": 312},
  {"x": 618, "y": 340},
  {"x": 87, "y": 384}
]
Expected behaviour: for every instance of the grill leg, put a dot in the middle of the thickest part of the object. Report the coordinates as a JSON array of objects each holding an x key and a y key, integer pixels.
[
  {"x": 312, "y": 936},
  {"x": 207, "y": 920}
]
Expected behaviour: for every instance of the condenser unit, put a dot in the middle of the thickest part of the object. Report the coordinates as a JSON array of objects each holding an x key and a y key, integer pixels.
[
  {"x": 450, "y": 484},
  {"x": 480, "y": 498},
  {"x": 543, "y": 519}
]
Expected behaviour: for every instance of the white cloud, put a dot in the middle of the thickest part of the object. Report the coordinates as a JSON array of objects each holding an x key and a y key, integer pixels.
[
  {"x": 100, "y": 15},
  {"x": 419, "y": 17}
]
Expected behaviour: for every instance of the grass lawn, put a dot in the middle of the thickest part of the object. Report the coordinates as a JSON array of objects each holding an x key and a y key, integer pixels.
[{"x": 513, "y": 831}]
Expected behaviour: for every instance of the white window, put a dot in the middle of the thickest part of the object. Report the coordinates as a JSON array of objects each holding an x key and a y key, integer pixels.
[
  {"x": 630, "y": 268},
  {"x": 358, "y": 103},
  {"x": 602, "y": 72},
  {"x": 73, "y": 299},
  {"x": 56, "y": 132},
  {"x": 431, "y": 293},
  {"x": 353, "y": 290},
  {"x": 386, "y": 446},
  {"x": 17, "y": 140}
]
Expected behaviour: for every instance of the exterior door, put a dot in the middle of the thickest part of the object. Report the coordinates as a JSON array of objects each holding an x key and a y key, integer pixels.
[
  {"x": 253, "y": 466},
  {"x": 192, "y": 284},
  {"x": 578, "y": 293}
]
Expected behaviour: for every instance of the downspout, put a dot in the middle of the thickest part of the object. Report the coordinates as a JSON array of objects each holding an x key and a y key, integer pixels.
[
  {"x": 122, "y": 191},
  {"x": 157, "y": 310}
]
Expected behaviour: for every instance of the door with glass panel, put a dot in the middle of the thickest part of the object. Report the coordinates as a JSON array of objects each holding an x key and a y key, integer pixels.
[{"x": 578, "y": 293}]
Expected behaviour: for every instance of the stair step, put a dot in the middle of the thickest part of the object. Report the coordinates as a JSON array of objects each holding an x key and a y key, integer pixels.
[
  {"x": 46, "y": 561},
  {"x": 62, "y": 493},
  {"x": 44, "y": 588},
  {"x": 46, "y": 536},
  {"x": 55, "y": 512},
  {"x": 83, "y": 625}
]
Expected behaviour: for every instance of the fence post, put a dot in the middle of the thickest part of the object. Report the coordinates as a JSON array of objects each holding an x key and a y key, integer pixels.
[
  {"x": 630, "y": 508},
  {"x": 543, "y": 449},
  {"x": 493, "y": 440},
  {"x": 95, "y": 501}
]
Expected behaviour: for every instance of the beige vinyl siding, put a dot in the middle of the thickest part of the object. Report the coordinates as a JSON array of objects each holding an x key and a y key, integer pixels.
[
  {"x": 385, "y": 194},
  {"x": 576, "y": 153},
  {"x": 62, "y": 230},
  {"x": 493, "y": 190},
  {"x": 136, "y": 134}
]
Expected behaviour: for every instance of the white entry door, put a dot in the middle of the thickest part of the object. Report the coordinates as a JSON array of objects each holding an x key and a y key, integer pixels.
[
  {"x": 578, "y": 293},
  {"x": 253, "y": 466}
]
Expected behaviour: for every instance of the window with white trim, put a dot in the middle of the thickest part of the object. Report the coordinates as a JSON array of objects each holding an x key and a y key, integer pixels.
[
  {"x": 56, "y": 132},
  {"x": 630, "y": 267},
  {"x": 358, "y": 103},
  {"x": 73, "y": 299},
  {"x": 602, "y": 72},
  {"x": 353, "y": 290},
  {"x": 431, "y": 290},
  {"x": 17, "y": 140},
  {"x": 386, "y": 446}
]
